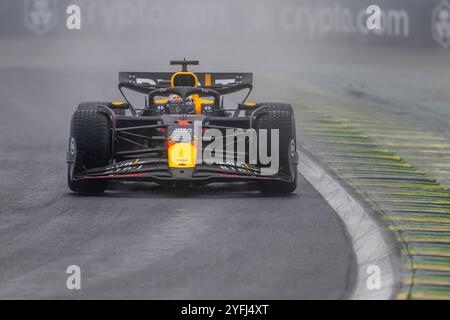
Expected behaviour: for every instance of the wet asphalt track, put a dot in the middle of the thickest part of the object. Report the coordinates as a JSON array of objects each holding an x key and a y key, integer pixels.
[{"x": 139, "y": 241}]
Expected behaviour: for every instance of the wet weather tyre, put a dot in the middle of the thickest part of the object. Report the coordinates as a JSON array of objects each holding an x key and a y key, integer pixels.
[
  {"x": 89, "y": 146},
  {"x": 280, "y": 116}
]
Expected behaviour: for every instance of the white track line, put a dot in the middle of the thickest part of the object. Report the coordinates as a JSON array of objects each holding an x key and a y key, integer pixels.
[{"x": 370, "y": 242}]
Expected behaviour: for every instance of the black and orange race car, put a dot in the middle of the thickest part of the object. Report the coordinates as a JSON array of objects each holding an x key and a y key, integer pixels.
[{"x": 183, "y": 135}]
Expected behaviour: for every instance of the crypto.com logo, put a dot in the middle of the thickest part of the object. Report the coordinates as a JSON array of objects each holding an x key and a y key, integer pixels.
[
  {"x": 40, "y": 15},
  {"x": 441, "y": 23}
]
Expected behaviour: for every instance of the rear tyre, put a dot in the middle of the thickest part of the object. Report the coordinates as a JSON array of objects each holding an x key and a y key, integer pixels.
[
  {"x": 89, "y": 146},
  {"x": 280, "y": 116}
]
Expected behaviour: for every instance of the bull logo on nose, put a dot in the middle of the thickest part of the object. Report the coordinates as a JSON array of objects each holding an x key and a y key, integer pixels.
[
  {"x": 40, "y": 15},
  {"x": 441, "y": 23}
]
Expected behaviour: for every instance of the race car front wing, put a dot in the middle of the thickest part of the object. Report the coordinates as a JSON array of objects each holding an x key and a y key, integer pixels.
[{"x": 157, "y": 170}]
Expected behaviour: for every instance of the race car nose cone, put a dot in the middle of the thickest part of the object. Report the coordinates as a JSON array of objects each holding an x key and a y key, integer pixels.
[{"x": 182, "y": 174}]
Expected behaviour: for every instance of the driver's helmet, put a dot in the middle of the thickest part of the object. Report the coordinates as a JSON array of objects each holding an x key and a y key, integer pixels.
[{"x": 174, "y": 98}]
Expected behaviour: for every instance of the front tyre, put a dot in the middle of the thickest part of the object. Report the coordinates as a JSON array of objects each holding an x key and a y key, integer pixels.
[
  {"x": 280, "y": 116},
  {"x": 89, "y": 147}
]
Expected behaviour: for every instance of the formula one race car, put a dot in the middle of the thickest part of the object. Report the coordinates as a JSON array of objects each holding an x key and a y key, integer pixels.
[{"x": 183, "y": 135}]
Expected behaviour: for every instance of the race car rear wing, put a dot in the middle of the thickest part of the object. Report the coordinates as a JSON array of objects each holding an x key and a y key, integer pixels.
[
  {"x": 210, "y": 80},
  {"x": 222, "y": 83}
]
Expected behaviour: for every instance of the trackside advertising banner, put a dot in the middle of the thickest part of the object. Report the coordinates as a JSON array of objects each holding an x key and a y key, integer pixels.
[{"x": 403, "y": 22}]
